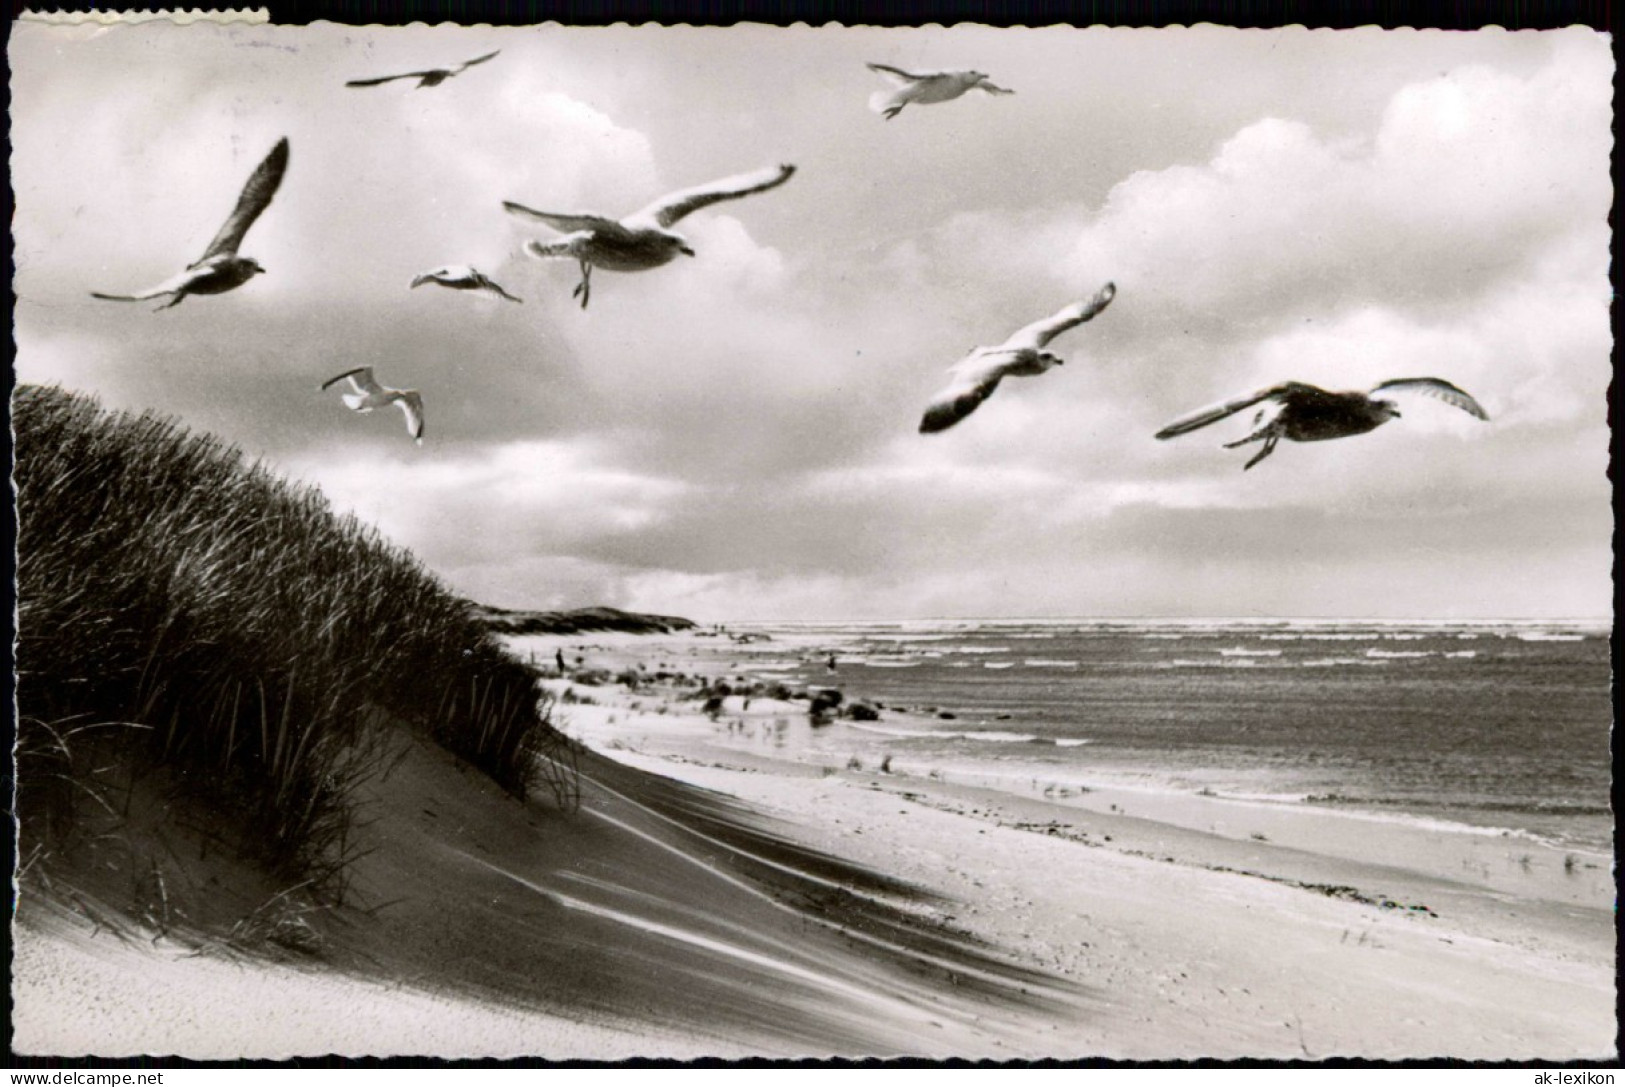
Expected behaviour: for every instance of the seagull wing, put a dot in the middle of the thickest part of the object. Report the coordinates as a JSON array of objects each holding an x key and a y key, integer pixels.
[
  {"x": 389, "y": 78},
  {"x": 1040, "y": 333},
  {"x": 993, "y": 88},
  {"x": 564, "y": 247},
  {"x": 144, "y": 296},
  {"x": 168, "y": 286},
  {"x": 255, "y": 198},
  {"x": 495, "y": 287},
  {"x": 360, "y": 377},
  {"x": 1436, "y": 387},
  {"x": 467, "y": 64},
  {"x": 973, "y": 382},
  {"x": 1198, "y": 419},
  {"x": 411, "y": 403},
  {"x": 668, "y": 209},
  {"x": 565, "y": 222},
  {"x": 898, "y": 76}
]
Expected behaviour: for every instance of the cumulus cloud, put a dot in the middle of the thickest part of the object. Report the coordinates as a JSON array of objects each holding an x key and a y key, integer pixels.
[{"x": 736, "y": 433}]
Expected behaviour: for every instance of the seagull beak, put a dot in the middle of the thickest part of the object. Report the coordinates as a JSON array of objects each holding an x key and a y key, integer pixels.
[{"x": 685, "y": 250}]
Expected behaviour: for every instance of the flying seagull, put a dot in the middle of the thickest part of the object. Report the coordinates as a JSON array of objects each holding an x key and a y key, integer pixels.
[
  {"x": 1022, "y": 355},
  {"x": 220, "y": 269},
  {"x": 462, "y": 277},
  {"x": 432, "y": 77},
  {"x": 1303, "y": 413},
  {"x": 925, "y": 88},
  {"x": 369, "y": 394},
  {"x": 641, "y": 240}
]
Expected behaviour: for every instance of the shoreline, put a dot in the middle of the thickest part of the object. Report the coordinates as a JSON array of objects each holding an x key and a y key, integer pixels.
[
  {"x": 722, "y": 894},
  {"x": 1526, "y": 907}
]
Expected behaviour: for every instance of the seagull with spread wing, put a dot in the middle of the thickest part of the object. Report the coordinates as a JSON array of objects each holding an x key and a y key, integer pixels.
[
  {"x": 642, "y": 240},
  {"x": 925, "y": 88},
  {"x": 220, "y": 269},
  {"x": 369, "y": 394},
  {"x": 463, "y": 277},
  {"x": 1303, "y": 413},
  {"x": 1022, "y": 355},
  {"x": 431, "y": 77}
]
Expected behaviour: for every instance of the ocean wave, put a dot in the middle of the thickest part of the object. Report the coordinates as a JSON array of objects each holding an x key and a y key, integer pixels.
[
  {"x": 1404, "y": 653},
  {"x": 983, "y": 649},
  {"x": 1359, "y": 636},
  {"x": 1041, "y": 662},
  {"x": 985, "y": 736},
  {"x": 895, "y": 638},
  {"x": 1539, "y": 807},
  {"x": 1222, "y": 662},
  {"x": 998, "y": 664},
  {"x": 1548, "y": 636},
  {"x": 1072, "y": 742},
  {"x": 874, "y": 663},
  {"x": 1257, "y": 798},
  {"x": 901, "y": 733},
  {"x": 1370, "y": 809},
  {"x": 1238, "y": 651},
  {"x": 1463, "y": 654},
  {"x": 1334, "y": 662}
]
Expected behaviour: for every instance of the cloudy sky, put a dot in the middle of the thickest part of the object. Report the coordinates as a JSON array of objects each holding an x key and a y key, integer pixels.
[{"x": 734, "y": 436}]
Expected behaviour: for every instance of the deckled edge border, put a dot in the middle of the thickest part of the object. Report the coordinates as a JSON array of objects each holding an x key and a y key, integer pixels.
[{"x": 179, "y": 16}]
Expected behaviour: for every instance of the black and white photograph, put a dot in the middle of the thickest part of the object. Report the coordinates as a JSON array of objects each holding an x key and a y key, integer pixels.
[{"x": 768, "y": 542}]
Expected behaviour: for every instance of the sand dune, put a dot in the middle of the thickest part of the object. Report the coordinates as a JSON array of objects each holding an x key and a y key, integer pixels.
[{"x": 563, "y": 935}]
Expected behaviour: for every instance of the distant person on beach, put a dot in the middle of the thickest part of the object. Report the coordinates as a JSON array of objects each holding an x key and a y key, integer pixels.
[
  {"x": 558, "y": 656},
  {"x": 831, "y": 664}
]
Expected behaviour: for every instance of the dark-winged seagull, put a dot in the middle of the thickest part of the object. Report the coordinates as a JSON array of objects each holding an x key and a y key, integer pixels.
[
  {"x": 432, "y": 77},
  {"x": 220, "y": 269},
  {"x": 369, "y": 394},
  {"x": 640, "y": 241},
  {"x": 925, "y": 88},
  {"x": 1022, "y": 355},
  {"x": 463, "y": 277},
  {"x": 1303, "y": 413}
]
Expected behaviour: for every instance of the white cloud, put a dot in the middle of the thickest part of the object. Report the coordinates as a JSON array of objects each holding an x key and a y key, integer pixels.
[
  {"x": 736, "y": 433},
  {"x": 498, "y": 502}
]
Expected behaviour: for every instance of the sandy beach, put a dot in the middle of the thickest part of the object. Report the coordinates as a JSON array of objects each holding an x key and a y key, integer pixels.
[
  {"x": 1204, "y": 927},
  {"x": 713, "y": 896}
]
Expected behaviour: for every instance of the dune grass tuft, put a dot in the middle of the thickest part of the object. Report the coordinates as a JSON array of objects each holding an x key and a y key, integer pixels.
[{"x": 238, "y": 633}]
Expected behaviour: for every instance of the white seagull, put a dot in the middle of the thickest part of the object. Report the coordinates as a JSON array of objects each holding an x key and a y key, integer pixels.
[
  {"x": 431, "y": 77},
  {"x": 641, "y": 240},
  {"x": 463, "y": 277},
  {"x": 925, "y": 88},
  {"x": 1304, "y": 413},
  {"x": 369, "y": 394},
  {"x": 220, "y": 269},
  {"x": 1022, "y": 355}
]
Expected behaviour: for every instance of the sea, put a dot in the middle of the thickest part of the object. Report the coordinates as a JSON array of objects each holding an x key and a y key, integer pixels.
[{"x": 1486, "y": 726}]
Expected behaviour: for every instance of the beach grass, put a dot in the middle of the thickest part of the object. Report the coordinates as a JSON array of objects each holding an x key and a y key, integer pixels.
[{"x": 183, "y": 610}]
